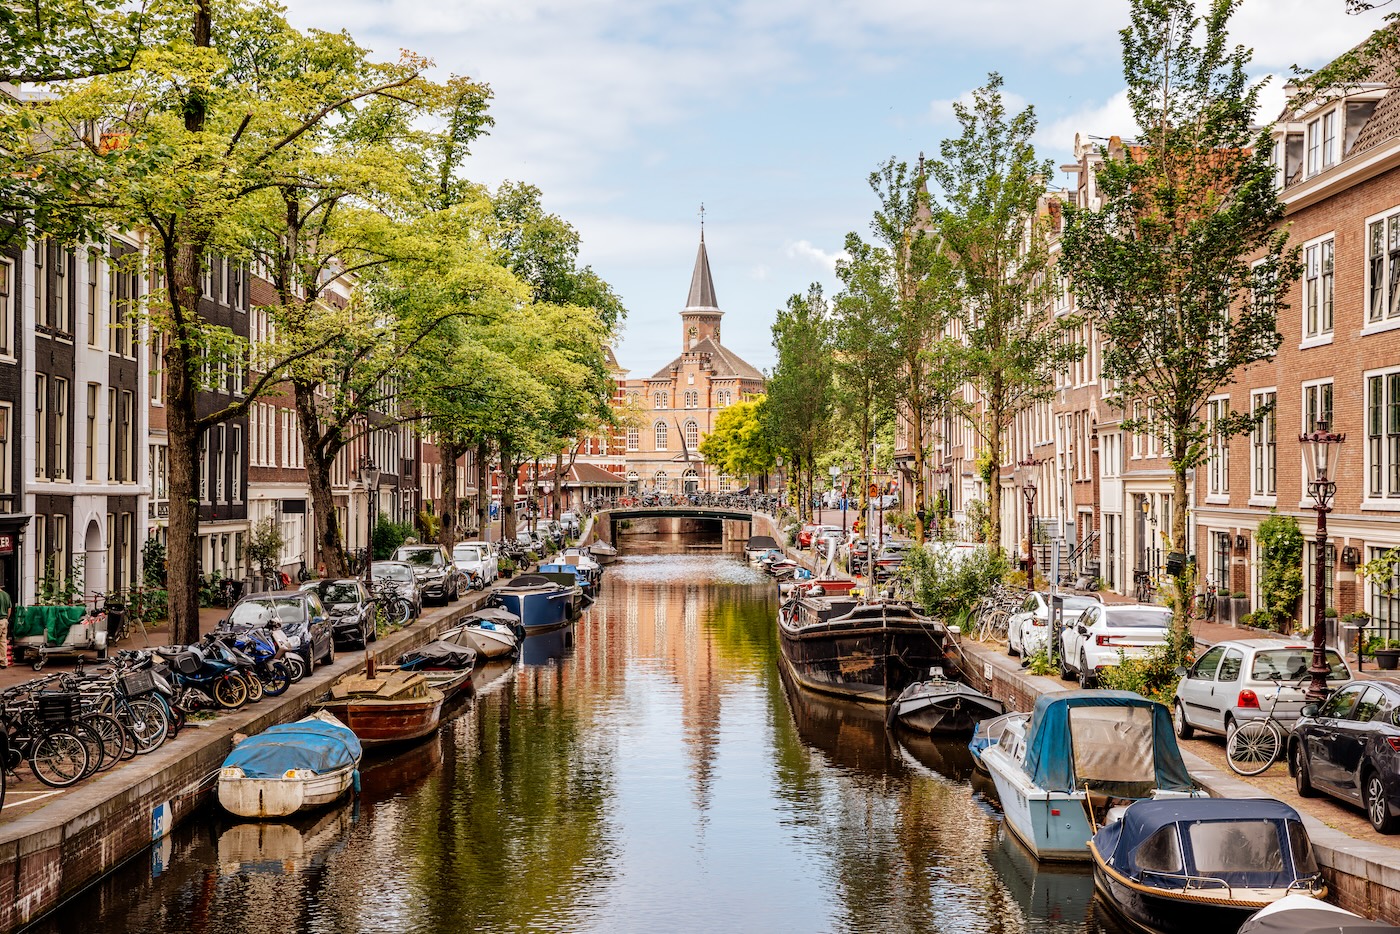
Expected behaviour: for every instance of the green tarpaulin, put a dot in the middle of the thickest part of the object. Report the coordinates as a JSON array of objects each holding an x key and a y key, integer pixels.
[{"x": 51, "y": 622}]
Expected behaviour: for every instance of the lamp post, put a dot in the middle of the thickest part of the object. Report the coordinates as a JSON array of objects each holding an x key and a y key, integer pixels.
[
  {"x": 845, "y": 496},
  {"x": 944, "y": 509},
  {"x": 1320, "y": 459},
  {"x": 369, "y": 476},
  {"x": 1025, "y": 476},
  {"x": 778, "y": 462}
]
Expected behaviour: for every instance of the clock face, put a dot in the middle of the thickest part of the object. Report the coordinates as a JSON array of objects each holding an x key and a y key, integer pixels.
[
  {"x": 694, "y": 330},
  {"x": 716, "y": 332}
]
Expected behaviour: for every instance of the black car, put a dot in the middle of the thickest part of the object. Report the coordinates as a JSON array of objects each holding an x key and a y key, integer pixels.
[
  {"x": 350, "y": 607},
  {"x": 302, "y": 617},
  {"x": 1349, "y": 747}
]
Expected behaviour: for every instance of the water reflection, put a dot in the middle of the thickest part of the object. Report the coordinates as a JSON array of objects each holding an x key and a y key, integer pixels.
[{"x": 653, "y": 772}]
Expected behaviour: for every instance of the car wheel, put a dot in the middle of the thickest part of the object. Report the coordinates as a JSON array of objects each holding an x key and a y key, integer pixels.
[
  {"x": 1086, "y": 678},
  {"x": 330, "y": 654},
  {"x": 1010, "y": 650},
  {"x": 1230, "y": 728},
  {"x": 1066, "y": 673},
  {"x": 1302, "y": 777},
  {"x": 1377, "y": 805},
  {"x": 1183, "y": 729}
]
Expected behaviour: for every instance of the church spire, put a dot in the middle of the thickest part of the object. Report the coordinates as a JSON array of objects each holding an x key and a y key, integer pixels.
[{"x": 702, "y": 286}]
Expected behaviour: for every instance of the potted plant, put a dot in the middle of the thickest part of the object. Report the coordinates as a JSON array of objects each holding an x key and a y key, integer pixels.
[
  {"x": 1233, "y": 608},
  {"x": 1387, "y": 654}
]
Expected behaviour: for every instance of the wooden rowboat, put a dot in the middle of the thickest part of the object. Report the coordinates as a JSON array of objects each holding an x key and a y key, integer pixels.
[{"x": 398, "y": 708}]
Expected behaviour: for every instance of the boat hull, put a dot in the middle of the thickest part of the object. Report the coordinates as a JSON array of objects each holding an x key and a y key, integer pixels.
[
  {"x": 385, "y": 721},
  {"x": 1163, "y": 911},
  {"x": 1052, "y": 825},
  {"x": 538, "y": 610},
  {"x": 945, "y": 715},
  {"x": 488, "y": 643},
  {"x": 279, "y": 797},
  {"x": 871, "y": 658},
  {"x": 450, "y": 681}
]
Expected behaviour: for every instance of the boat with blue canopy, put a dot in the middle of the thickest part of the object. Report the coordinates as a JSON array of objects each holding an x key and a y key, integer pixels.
[
  {"x": 537, "y": 601},
  {"x": 1202, "y": 864},
  {"x": 290, "y": 767},
  {"x": 1059, "y": 769}
]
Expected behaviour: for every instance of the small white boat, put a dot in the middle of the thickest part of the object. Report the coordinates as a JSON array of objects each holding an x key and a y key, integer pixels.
[
  {"x": 941, "y": 706},
  {"x": 1303, "y": 914},
  {"x": 602, "y": 552},
  {"x": 290, "y": 767},
  {"x": 491, "y": 631}
]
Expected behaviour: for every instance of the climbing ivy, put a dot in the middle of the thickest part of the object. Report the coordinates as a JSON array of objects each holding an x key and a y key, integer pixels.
[{"x": 1280, "y": 571}]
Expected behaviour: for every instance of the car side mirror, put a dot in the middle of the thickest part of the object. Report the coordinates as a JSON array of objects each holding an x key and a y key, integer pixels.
[
  {"x": 1180, "y": 672},
  {"x": 223, "y": 622},
  {"x": 1310, "y": 710}
]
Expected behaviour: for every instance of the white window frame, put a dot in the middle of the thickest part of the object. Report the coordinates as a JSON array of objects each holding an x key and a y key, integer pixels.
[
  {"x": 7, "y": 310},
  {"x": 62, "y": 406},
  {"x": 1382, "y": 439},
  {"x": 1217, "y": 451},
  {"x": 634, "y": 439},
  {"x": 661, "y": 436},
  {"x": 1263, "y": 450},
  {"x": 1381, "y": 303},
  {"x": 41, "y": 426},
  {"x": 1319, "y": 317}
]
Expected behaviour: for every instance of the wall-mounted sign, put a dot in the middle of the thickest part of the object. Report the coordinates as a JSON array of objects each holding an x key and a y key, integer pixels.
[{"x": 7, "y": 543}]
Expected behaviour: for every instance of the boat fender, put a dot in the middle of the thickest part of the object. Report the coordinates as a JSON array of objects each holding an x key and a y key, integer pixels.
[{"x": 355, "y": 780}]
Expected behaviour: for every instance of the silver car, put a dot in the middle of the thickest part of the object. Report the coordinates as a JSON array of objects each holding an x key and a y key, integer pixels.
[{"x": 1240, "y": 679}]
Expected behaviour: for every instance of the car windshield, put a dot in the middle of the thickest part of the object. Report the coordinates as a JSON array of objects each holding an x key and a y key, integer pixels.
[
  {"x": 1291, "y": 664},
  {"x": 1079, "y": 604},
  {"x": 341, "y": 593},
  {"x": 424, "y": 558},
  {"x": 284, "y": 609},
  {"x": 467, "y": 554},
  {"x": 1134, "y": 619},
  {"x": 393, "y": 572}
]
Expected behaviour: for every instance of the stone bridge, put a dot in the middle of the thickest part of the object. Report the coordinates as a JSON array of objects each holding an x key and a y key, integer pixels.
[{"x": 605, "y": 521}]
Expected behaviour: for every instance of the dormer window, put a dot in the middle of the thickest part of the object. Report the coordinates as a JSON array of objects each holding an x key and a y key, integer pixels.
[{"x": 1322, "y": 143}]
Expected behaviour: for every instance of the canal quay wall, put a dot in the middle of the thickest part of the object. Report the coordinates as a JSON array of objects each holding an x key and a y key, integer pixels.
[
  {"x": 1363, "y": 876},
  {"x": 51, "y": 854}
]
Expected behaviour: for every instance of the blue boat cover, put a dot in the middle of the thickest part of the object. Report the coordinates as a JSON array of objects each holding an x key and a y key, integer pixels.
[
  {"x": 1050, "y": 754},
  {"x": 306, "y": 744},
  {"x": 1242, "y": 832}
]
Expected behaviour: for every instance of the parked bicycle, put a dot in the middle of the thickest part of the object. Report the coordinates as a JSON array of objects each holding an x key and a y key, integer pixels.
[
  {"x": 1257, "y": 744},
  {"x": 1203, "y": 603}
]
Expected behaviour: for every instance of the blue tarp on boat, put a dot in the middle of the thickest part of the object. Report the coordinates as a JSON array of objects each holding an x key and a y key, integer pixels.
[
  {"x": 306, "y": 744},
  {"x": 1242, "y": 841},
  {"x": 1115, "y": 747}
]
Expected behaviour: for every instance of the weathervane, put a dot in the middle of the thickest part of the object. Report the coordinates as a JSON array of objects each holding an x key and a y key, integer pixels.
[{"x": 702, "y": 220}]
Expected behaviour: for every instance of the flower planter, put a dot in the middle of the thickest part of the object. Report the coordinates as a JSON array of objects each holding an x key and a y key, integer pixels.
[{"x": 1387, "y": 659}]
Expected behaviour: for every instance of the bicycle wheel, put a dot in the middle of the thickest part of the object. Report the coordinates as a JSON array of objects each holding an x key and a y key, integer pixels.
[
  {"x": 116, "y": 743},
  {"x": 1254, "y": 746},
  {"x": 96, "y": 749},
  {"x": 145, "y": 719},
  {"x": 59, "y": 759}
]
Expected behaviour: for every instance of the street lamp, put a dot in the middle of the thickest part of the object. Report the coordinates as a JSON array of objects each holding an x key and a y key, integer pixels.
[
  {"x": 944, "y": 509},
  {"x": 369, "y": 476},
  {"x": 845, "y": 495},
  {"x": 1322, "y": 466},
  {"x": 1025, "y": 477},
  {"x": 778, "y": 462}
]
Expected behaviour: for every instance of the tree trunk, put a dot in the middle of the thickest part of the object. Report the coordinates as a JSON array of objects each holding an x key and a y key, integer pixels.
[
  {"x": 994, "y": 493},
  {"x": 450, "y": 452},
  {"x": 508, "y": 474},
  {"x": 916, "y": 440},
  {"x": 483, "y": 491},
  {"x": 558, "y": 495},
  {"x": 1181, "y": 619},
  {"x": 320, "y": 455}
]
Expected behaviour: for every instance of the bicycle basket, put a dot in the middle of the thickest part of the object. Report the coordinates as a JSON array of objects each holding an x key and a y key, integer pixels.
[
  {"x": 58, "y": 706},
  {"x": 136, "y": 683}
]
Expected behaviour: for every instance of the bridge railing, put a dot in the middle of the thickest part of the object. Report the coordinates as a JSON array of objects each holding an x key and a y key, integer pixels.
[{"x": 747, "y": 502}]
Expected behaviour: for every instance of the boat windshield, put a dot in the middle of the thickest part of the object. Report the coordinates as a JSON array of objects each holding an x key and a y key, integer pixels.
[
  {"x": 1113, "y": 746},
  {"x": 1220, "y": 848}
]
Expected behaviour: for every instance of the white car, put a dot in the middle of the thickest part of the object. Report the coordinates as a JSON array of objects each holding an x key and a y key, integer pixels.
[
  {"x": 1028, "y": 629},
  {"x": 1106, "y": 634},
  {"x": 476, "y": 556}
]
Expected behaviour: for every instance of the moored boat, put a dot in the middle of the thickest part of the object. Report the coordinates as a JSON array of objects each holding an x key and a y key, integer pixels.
[
  {"x": 1202, "y": 864},
  {"x": 602, "y": 552},
  {"x": 1303, "y": 914},
  {"x": 447, "y": 665},
  {"x": 989, "y": 733},
  {"x": 1059, "y": 769},
  {"x": 940, "y": 706},
  {"x": 537, "y": 601},
  {"x": 399, "y": 708},
  {"x": 491, "y": 631},
  {"x": 866, "y": 651},
  {"x": 571, "y": 575},
  {"x": 759, "y": 545},
  {"x": 290, "y": 767}
]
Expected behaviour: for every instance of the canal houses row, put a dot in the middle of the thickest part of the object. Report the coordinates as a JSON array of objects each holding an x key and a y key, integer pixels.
[{"x": 1103, "y": 496}]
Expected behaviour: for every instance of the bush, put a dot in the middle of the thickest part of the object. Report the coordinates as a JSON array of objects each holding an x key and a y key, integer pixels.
[
  {"x": 153, "y": 563},
  {"x": 1153, "y": 676},
  {"x": 950, "y": 587},
  {"x": 1280, "y": 573},
  {"x": 1039, "y": 663},
  {"x": 388, "y": 536}
]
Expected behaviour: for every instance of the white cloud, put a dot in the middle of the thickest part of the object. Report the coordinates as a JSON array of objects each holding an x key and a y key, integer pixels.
[
  {"x": 942, "y": 110},
  {"x": 804, "y": 250},
  {"x": 1112, "y": 117}
]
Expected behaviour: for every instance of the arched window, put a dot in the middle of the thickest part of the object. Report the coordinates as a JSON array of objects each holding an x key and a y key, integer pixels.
[
  {"x": 692, "y": 434},
  {"x": 661, "y": 436},
  {"x": 659, "y": 400},
  {"x": 634, "y": 439},
  {"x": 662, "y": 483}
]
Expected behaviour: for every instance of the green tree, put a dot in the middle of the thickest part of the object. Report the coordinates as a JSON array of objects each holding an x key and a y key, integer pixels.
[
  {"x": 989, "y": 220},
  {"x": 740, "y": 445},
  {"x": 799, "y": 401},
  {"x": 1186, "y": 264}
]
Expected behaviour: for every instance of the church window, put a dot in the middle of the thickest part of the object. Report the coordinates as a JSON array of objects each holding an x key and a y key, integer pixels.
[
  {"x": 692, "y": 434},
  {"x": 661, "y": 436}
]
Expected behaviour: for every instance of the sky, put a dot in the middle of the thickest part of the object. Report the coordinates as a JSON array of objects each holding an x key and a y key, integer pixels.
[{"x": 631, "y": 114}]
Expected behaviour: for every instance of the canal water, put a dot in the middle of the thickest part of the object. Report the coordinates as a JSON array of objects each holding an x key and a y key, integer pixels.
[{"x": 648, "y": 771}]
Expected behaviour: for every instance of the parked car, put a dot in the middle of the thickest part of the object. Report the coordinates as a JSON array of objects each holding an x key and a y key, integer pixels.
[
  {"x": 1237, "y": 680},
  {"x": 804, "y": 535},
  {"x": 477, "y": 558},
  {"x": 350, "y": 607},
  {"x": 1349, "y": 747},
  {"x": 437, "y": 576},
  {"x": 302, "y": 616},
  {"x": 569, "y": 520},
  {"x": 400, "y": 574},
  {"x": 890, "y": 557},
  {"x": 827, "y": 539},
  {"x": 854, "y": 554},
  {"x": 1107, "y": 633},
  {"x": 1028, "y": 629}
]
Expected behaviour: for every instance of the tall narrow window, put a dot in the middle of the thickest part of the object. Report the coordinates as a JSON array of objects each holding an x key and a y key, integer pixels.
[
  {"x": 1383, "y": 434},
  {"x": 41, "y": 427},
  {"x": 1329, "y": 139},
  {"x": 220, "y": 462},
  {"x": 90, "y": 435},
  {"x": 236, "y": 465},
  {"x": 41, "y": 283},
  {"x": 7, "y": 278},
  {"x": 63, "y": 298},
  {"x": 6, "y": 433},
  {"x": 1314, "y": 164},
  {"x": 1264, "y": 446},
  {"x": 1318, "y": 290},
  {"x": 60, "y": 429},
  {"x": 692, "y": 435},
  {"x": 128, "y": 437},
  {"x": 204, "y": 467},
  {"x": 1317, "y": 405},
  {"x": 111, "y": 435},
  {"x": 94, "y": 299},
  {"x": 661, "y": 439}
]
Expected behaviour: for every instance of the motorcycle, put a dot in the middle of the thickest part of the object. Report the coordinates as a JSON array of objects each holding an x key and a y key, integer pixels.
[
  {"x": 201, "y": 681},
  {"x": 221, "y": 650},
  {"x": 268, "y": 658}
]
